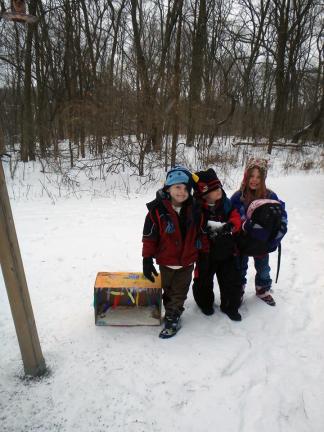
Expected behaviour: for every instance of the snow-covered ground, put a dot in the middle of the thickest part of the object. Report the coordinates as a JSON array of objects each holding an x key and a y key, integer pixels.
[{"x": 265, "y": 373}]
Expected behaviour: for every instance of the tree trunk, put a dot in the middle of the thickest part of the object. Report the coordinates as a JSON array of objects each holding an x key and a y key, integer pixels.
[
  {"x": 28, "y": 138},
  {"x": 197, "y": 67},
  {"x": 279, "y": 114},
  {"x": 176, "y": 93}
]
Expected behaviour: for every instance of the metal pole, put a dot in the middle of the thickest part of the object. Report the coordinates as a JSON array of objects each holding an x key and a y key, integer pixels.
[{"x": 16, "y": 284}]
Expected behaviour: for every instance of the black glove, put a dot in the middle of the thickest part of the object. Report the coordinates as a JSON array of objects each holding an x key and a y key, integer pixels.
[
  {"x": 227, "y": 228},
  {"x": 211, "y": 233},
  {"x": 149, "y": 269}
]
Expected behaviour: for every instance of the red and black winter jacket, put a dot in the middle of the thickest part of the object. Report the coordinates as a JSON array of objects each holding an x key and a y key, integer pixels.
[
  {"x": 223, "y": 246},
  {"x": 224, "y": 211},
  {"x": 174, "y": 239}
]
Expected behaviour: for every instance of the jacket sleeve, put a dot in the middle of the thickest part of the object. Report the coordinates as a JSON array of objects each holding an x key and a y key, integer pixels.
[
  {"x": 249, "y": 227},
  {"x": 204, "y": 235},
  {"x": 150, "y": 237},
  {"x": 235, "y": 220},
  {"x": 238, "y": 204},
  {"x": 204, "y": 243}
]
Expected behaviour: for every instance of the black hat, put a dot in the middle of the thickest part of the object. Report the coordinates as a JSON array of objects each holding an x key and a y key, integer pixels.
[{"x": 206, "y": 181}]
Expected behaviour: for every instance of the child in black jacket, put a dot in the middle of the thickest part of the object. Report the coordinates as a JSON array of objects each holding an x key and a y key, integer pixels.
[{"x": 224, "y": 222}]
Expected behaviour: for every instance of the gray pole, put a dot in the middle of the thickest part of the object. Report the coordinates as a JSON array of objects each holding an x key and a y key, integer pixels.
[{"x": 16, "y": 284}]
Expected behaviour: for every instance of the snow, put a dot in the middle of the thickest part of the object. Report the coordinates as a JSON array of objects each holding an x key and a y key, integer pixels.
[{"x": 265, "y": 373}]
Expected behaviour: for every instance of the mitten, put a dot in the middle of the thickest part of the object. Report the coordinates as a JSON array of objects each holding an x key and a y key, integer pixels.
[
  {"x": 227, "y": 229},
  {"x": 148, "y": 269}
]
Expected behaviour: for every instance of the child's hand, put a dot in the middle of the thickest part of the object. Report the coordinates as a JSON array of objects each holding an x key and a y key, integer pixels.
[
  {"x": 227, "y": 228},
  {"x": 148, "y": 269}
]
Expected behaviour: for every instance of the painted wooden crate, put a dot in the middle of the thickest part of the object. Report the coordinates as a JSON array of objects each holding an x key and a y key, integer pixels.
[{"x": 127, "y": 299}]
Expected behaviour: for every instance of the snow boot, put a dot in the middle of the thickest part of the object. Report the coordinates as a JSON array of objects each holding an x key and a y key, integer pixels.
[
  {"x": 171, "y": 326},
  {"x": 264, "y": 294},
  {"x": 208, "y": 310},
  {"x": 232, "y": 313}
]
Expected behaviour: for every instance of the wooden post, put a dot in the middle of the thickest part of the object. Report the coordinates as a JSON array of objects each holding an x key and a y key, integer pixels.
[{"x": 16, "y": 284}]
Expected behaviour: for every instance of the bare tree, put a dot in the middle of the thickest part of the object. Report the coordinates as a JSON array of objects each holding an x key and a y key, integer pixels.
[
  {"x": 97, "y": 72},
  {"x": 197, "y": 64},
  {"x": 289, "y": 20}
]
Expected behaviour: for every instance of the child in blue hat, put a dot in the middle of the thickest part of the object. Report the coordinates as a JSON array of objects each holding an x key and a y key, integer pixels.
[{"x": 174, "y": 236}]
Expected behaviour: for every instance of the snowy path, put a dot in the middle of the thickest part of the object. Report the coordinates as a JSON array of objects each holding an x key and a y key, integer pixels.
[{"x": 263, "y": 374}]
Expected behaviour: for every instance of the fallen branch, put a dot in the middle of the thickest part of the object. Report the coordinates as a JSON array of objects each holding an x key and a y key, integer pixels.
[{"x": 265, "y": 144}]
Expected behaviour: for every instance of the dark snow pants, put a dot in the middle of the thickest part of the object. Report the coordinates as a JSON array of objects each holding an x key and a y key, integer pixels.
[
  {"x": 228, "y": 276},
  {"x": 175, "y": 285}
]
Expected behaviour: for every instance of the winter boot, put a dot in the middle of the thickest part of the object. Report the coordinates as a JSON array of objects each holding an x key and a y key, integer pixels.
[
  {"x": 171, "y": 326},
  {"x": 208, "y": 310},
  {"x": 264, "y": 294},
  {"x": 232, "y": 313}
]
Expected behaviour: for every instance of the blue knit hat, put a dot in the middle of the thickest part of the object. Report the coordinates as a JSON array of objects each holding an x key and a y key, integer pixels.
[{"x": 178, "y": 175}]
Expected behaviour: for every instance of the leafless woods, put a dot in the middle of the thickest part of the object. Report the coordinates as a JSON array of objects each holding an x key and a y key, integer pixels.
[{"x": 95, "y": 71}]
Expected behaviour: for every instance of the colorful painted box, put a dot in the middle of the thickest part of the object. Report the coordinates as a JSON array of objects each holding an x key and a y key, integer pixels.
[{"x": 127, "y": 299}]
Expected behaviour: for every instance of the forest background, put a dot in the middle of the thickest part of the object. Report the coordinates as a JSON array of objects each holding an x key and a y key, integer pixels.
[{"x": 129, "y": 81}]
